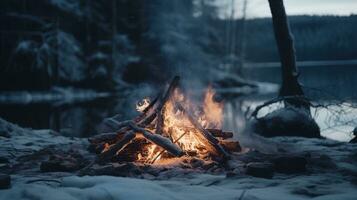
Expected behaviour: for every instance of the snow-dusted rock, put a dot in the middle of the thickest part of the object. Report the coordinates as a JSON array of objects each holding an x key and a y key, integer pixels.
[{"x": 287, "y": 122}]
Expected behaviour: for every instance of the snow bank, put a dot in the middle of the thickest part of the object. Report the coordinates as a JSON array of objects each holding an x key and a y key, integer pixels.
[
  {"x": 332, "y": 174},
  {"x": 198, "y": 187}
]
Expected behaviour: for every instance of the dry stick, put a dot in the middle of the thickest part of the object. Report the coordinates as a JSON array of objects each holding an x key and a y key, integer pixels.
[
  {"x": 159, "y": 140},
  {"x": 141, "y": 117},
  {"x": 152, "y": 113},
  {"x": 121, "y": 144},
  {"x": 105, "y": 137},
  {"x": 142, "y": 123},
  {"x": 162, "y": 151},
  {"x": 204, "y": 134},
  {"x": 145, "y": 119},
  {"x": 123, "y": 126},
  {"x": 161, "y": 108}
]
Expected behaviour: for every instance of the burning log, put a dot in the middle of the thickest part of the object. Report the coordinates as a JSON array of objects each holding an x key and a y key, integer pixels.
[
  {"x": 115, "y": 148},
  {"x": 159, "y": 140},
  {"x": 160, "y": 103},
  {"x": 206, "y": 135},
  {"x": 154, "y": 138}
]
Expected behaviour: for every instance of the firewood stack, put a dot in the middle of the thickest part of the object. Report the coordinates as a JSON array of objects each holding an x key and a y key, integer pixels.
[{"x": 130, "y": 140}]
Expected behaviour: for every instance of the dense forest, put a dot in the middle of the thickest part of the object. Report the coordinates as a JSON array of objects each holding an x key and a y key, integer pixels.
[
  {"x": 317, "y": 38},
  {"x": 107, "y": 45}
]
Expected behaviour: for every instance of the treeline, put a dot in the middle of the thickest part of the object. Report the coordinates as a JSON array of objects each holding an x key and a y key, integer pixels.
[
  {"x": 316, "y": 38},
  {"x": 109, "y": 44}
]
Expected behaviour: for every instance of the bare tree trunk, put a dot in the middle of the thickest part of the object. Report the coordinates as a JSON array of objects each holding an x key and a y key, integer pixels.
[{"x": 290, "y": 84}]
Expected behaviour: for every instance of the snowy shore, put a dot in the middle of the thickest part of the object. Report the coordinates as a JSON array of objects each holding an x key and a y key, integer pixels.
[{"x": 331, "y": 174}]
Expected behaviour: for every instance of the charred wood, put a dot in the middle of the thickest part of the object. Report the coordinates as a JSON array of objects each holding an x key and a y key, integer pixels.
[
  {"x": 108, "y": 154},
  {"x": 159, "y": 140},
  {"x": 204, "y": 134}
]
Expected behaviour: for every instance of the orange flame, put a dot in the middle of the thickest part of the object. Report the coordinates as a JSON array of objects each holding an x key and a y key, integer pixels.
[
  {"x": 213, "y": 111},
  {"x": 179, "y": 128}
]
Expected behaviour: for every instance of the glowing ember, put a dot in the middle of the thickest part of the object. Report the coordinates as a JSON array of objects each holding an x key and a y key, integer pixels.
[{"x": 141, "y": 105}]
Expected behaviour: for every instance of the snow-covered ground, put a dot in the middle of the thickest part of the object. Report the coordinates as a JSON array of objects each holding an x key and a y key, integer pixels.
[
  {"x": 331, "y": 174},
  {"x": 201, "y": 186}
]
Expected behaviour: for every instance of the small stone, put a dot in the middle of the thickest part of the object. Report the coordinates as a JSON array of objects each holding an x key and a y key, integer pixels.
[
  {"x": 261, "y": 170},
  {"x": 290, "y": 164},
  {"x": 5, "y": 181}
]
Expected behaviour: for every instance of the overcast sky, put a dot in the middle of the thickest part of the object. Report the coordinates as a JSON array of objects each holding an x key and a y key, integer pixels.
[{"x": 260, "y": 8}]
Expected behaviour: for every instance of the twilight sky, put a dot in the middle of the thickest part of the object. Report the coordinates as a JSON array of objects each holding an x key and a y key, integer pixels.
[{"x": 260, "y": 8}]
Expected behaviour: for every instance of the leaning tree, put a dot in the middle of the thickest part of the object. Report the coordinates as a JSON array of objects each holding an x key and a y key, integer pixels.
[
  {"x": 295, "y": 118},
  {"x": 290, "y": 84}
]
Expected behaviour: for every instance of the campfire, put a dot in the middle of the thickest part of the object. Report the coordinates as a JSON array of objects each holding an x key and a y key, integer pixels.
[{"x": 169, "y": 126}]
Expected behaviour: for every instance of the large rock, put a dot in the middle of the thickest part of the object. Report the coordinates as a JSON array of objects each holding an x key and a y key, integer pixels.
[{"x": 287, "y": 122}]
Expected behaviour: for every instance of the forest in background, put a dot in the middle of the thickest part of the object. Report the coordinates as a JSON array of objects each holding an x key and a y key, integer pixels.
[
  {"x": 316, "y": 38},
  {"x": 106, "y": 45}
]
